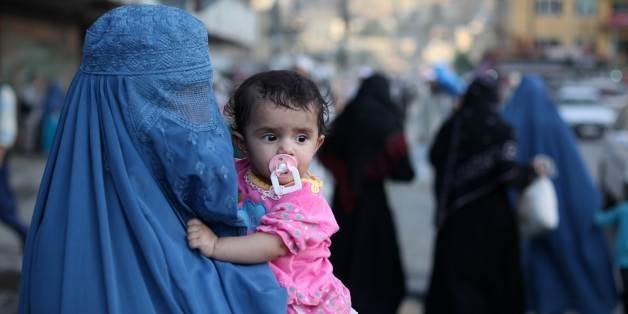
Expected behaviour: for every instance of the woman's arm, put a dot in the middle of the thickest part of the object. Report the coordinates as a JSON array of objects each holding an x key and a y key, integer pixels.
[
  {"x": 394, "y": 160},
  {"x": 540, "y": 165},
  {"x": 254, "y": 248},
  {"x": 523, "y": 175}
]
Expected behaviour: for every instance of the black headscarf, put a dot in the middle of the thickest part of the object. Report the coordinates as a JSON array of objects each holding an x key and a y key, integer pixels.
[
  {"x": 474, "y": 151},
  {"x": 366, "y": 141}
]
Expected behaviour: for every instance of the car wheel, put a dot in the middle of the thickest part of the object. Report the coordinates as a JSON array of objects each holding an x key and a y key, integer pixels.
[{"x": 589, "y": 131}]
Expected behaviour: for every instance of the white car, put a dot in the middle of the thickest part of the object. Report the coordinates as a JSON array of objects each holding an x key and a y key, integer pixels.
[{"x": 580, "y": 107}]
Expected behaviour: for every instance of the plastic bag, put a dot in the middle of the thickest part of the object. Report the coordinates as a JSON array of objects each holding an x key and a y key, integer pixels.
[{"x": 538, "y": 208}]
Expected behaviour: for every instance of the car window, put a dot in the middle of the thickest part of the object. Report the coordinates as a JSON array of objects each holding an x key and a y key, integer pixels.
[{"x": 576, "y": 102}]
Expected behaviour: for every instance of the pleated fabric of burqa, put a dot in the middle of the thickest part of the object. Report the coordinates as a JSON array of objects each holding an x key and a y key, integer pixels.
[{"x": 140, "y": 149}]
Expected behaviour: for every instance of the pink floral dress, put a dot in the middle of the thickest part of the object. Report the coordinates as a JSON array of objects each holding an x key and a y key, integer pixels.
[{"x": 305, "y": 223}]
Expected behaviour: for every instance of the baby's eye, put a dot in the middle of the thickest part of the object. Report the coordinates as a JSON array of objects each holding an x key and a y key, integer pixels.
[
  {"x": 301, "y": 138},
  {"x": 269, "y": 137}
]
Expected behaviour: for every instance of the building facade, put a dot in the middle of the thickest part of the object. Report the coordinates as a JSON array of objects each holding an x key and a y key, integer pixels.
[
  {"x": 566, "y": 29},
  {"x": 44, "y": 38},
  {"x": 615, "y": 30}
]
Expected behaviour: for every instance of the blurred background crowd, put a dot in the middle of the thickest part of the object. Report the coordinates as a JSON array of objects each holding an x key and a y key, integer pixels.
[{"x": 429, "y": 49}]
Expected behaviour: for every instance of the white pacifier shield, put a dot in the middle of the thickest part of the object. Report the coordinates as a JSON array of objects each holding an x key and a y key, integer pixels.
[{"x": 282, "y": 165}]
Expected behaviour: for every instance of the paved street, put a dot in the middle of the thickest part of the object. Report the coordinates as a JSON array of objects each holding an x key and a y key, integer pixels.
[{"x": 25, "y": 175}]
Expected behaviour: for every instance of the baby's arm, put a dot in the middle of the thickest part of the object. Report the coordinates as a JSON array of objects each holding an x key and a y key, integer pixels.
[{"x": 258, "y": 247}]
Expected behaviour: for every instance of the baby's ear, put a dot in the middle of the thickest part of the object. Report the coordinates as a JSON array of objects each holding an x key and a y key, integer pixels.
[
  {"x": 320, "y": 141},
  {"x": 238, "y": 139}
]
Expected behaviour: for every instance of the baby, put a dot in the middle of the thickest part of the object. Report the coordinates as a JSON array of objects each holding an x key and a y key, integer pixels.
[{"x": 278, "y": 120}]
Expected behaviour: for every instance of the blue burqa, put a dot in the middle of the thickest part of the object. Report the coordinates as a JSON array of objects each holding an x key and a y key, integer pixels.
[
  {"x": 140, "y": 149},
  {"x": 570, "y": 267}
]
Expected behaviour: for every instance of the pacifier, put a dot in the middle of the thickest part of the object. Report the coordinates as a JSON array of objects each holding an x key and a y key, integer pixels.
[{"x": 282, "y": 165}]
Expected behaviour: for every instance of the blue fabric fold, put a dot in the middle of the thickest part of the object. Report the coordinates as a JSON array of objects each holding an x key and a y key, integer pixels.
[
  {"x": 140, "y": 149},
  {"x": 569, "y": 268}
]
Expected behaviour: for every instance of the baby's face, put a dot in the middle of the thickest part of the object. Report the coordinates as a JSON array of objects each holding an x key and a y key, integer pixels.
[{"x": 276, "y": 130}]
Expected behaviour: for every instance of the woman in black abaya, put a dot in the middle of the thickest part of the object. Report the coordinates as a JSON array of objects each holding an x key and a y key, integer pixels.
[
  {"x": 476, "y": 267},
  {"x": 366, "y": 146}
]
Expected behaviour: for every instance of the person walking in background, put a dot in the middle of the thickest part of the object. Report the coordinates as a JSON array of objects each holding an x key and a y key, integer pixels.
[
  {"x": 141, "y": 149},
  {"x": 617, "y": 216},
  {"x": 8, "y": 133},
  {"x": 569, "y": 268},
  {"x": 280, "y": 116},
  {"x": 52, "y": 105},
  {"x": 31, "y": 112},
  {"x": 476, "y": 263},
  {"x": 366, "y": 146}
]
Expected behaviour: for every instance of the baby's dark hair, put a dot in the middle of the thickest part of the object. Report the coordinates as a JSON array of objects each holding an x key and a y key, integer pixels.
[{"x": 284, "y": 88}]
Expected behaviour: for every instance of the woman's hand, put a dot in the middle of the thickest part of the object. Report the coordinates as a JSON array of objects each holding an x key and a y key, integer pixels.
[
  {"x": 201, "y": 237},
  {"x": 544, "y": 166}
]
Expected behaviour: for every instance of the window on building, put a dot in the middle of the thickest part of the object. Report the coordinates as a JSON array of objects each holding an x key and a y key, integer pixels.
[
  {"x": 619, "y": 7},
  {"x": 548, "y": 7},
  {"x": 586, "y": 7}
]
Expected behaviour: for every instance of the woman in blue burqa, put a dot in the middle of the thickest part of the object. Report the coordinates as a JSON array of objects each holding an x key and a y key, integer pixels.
[
  {"x": 569, "y": 268},
  {"x": 140, "y": 149}
]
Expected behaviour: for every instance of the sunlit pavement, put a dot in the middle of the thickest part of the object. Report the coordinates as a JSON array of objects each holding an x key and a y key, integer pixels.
[{"x": 26, "y": 173}]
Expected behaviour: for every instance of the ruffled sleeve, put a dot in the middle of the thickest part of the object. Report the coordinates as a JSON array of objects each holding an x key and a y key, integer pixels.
[{"x": 300, "y": 225}]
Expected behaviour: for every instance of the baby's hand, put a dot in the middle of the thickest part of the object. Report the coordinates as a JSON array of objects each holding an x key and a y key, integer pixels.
[{"x": 201, "y": 237}]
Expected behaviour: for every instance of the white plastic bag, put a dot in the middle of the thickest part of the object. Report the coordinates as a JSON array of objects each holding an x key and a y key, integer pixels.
[{"x": 538, "y": 208}]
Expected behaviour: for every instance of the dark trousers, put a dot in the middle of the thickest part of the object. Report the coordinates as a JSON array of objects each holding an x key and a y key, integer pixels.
[
  {"x": 624, "y": 281},
  {"x": 8, "y": 205}
]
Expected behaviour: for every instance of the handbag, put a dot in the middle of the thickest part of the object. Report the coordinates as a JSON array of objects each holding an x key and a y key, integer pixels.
[{"x": 538, "y": 208}]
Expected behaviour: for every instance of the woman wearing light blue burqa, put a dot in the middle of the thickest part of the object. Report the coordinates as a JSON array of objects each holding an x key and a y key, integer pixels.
[
  {"x": 570, "y": 267},
  {"x": 140, "y": 149}
]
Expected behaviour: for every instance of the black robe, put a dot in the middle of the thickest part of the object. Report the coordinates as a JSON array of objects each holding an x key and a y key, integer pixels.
[
  {"x": 476, "y": 265},
  {"x": 367, "y": 145}
]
